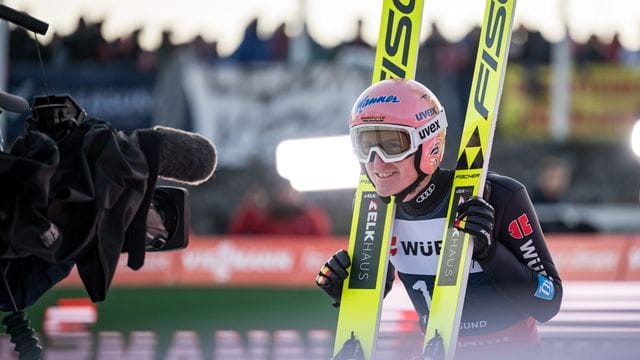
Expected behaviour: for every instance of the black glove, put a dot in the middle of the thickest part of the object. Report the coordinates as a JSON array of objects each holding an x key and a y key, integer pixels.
[
  {"x": 332, "y": 275},
  {"x": 476, "y": 217}
]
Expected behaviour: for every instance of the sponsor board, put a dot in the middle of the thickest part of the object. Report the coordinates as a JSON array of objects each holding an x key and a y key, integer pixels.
[{"x": 263, "y": 260}]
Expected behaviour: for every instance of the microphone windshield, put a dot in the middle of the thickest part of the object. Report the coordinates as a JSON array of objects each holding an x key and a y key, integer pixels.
[{"x": 184, "y": 156}]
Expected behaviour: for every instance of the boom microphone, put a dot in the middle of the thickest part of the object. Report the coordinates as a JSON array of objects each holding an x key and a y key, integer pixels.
[
  {"x": 183, "y": 156},
  {"x": 24, "y": 20},
  {"x": 13, "y": 103}
]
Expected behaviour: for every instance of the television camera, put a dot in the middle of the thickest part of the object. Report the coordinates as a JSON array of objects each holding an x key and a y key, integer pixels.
[{"x": 76, "y": 192}]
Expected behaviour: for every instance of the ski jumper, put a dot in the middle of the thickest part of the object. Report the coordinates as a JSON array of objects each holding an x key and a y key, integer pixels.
[{"x": 506, "y": 293}]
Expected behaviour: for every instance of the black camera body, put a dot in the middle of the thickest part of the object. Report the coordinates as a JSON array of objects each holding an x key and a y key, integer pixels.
[{"x": 57, "y": 116}]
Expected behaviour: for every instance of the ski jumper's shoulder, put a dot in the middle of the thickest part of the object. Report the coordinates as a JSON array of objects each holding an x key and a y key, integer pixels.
[
  {"x": 505, "y": 192},
  {"x": 503, "y": 184}
]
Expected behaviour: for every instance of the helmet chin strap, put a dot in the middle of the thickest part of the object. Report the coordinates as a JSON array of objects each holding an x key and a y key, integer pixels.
[{"x": 421, "y": 176}]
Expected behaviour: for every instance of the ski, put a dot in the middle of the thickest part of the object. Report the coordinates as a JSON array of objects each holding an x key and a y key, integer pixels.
[
  {"x": 470, "y": 175},
  {"x": 371, "y": 226}
]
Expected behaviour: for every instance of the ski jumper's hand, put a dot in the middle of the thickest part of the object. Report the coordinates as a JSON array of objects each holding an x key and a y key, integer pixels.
[
  {"x": 476, "y": 217},
  {"x": 332, "y": 275}
]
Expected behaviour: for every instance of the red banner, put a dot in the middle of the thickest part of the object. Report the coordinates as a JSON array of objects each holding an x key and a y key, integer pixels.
[
  {"x": 231, "y": 261},
  {"x": 588, "y": 257},
  {"x": 294, "y": 261}
]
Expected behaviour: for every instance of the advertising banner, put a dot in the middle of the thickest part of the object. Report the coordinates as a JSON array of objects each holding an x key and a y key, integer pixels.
[
  {"x": 603, "y": 104},
  {"x": 264, "y": 261}
]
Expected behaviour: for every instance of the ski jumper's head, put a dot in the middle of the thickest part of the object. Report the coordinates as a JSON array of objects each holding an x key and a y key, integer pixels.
[{"x": 397, "y": 125}]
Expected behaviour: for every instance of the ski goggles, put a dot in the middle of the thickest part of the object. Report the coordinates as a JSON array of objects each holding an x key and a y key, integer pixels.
[{"x": 393, "y": 142}]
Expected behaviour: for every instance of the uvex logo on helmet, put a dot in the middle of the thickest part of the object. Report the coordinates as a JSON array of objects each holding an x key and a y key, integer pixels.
[
  {"x": 427, "y": 131},
  {"x": 426, "y": 114}
]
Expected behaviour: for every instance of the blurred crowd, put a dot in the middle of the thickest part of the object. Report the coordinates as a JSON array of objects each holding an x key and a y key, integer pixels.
[
  {"x": 275, "y": 208},
  {"x": 87, "y": 43}
]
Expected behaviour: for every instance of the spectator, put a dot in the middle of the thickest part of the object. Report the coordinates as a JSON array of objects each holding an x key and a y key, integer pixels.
[
  {"x": 612, "y": 50},
  {"x": 537, "y": 52},
  {"x": 554, "y": 178},
  {"x": 275, "y": 208},
  {"x": 21, "y": 46},
  {"x": 86, "y": 42},
  {"x": 252, "y": 48},
  {"x": 552, "y": 183},
  {"x": 592, "y": 52},
  {"x": 279, "y": 44}
]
